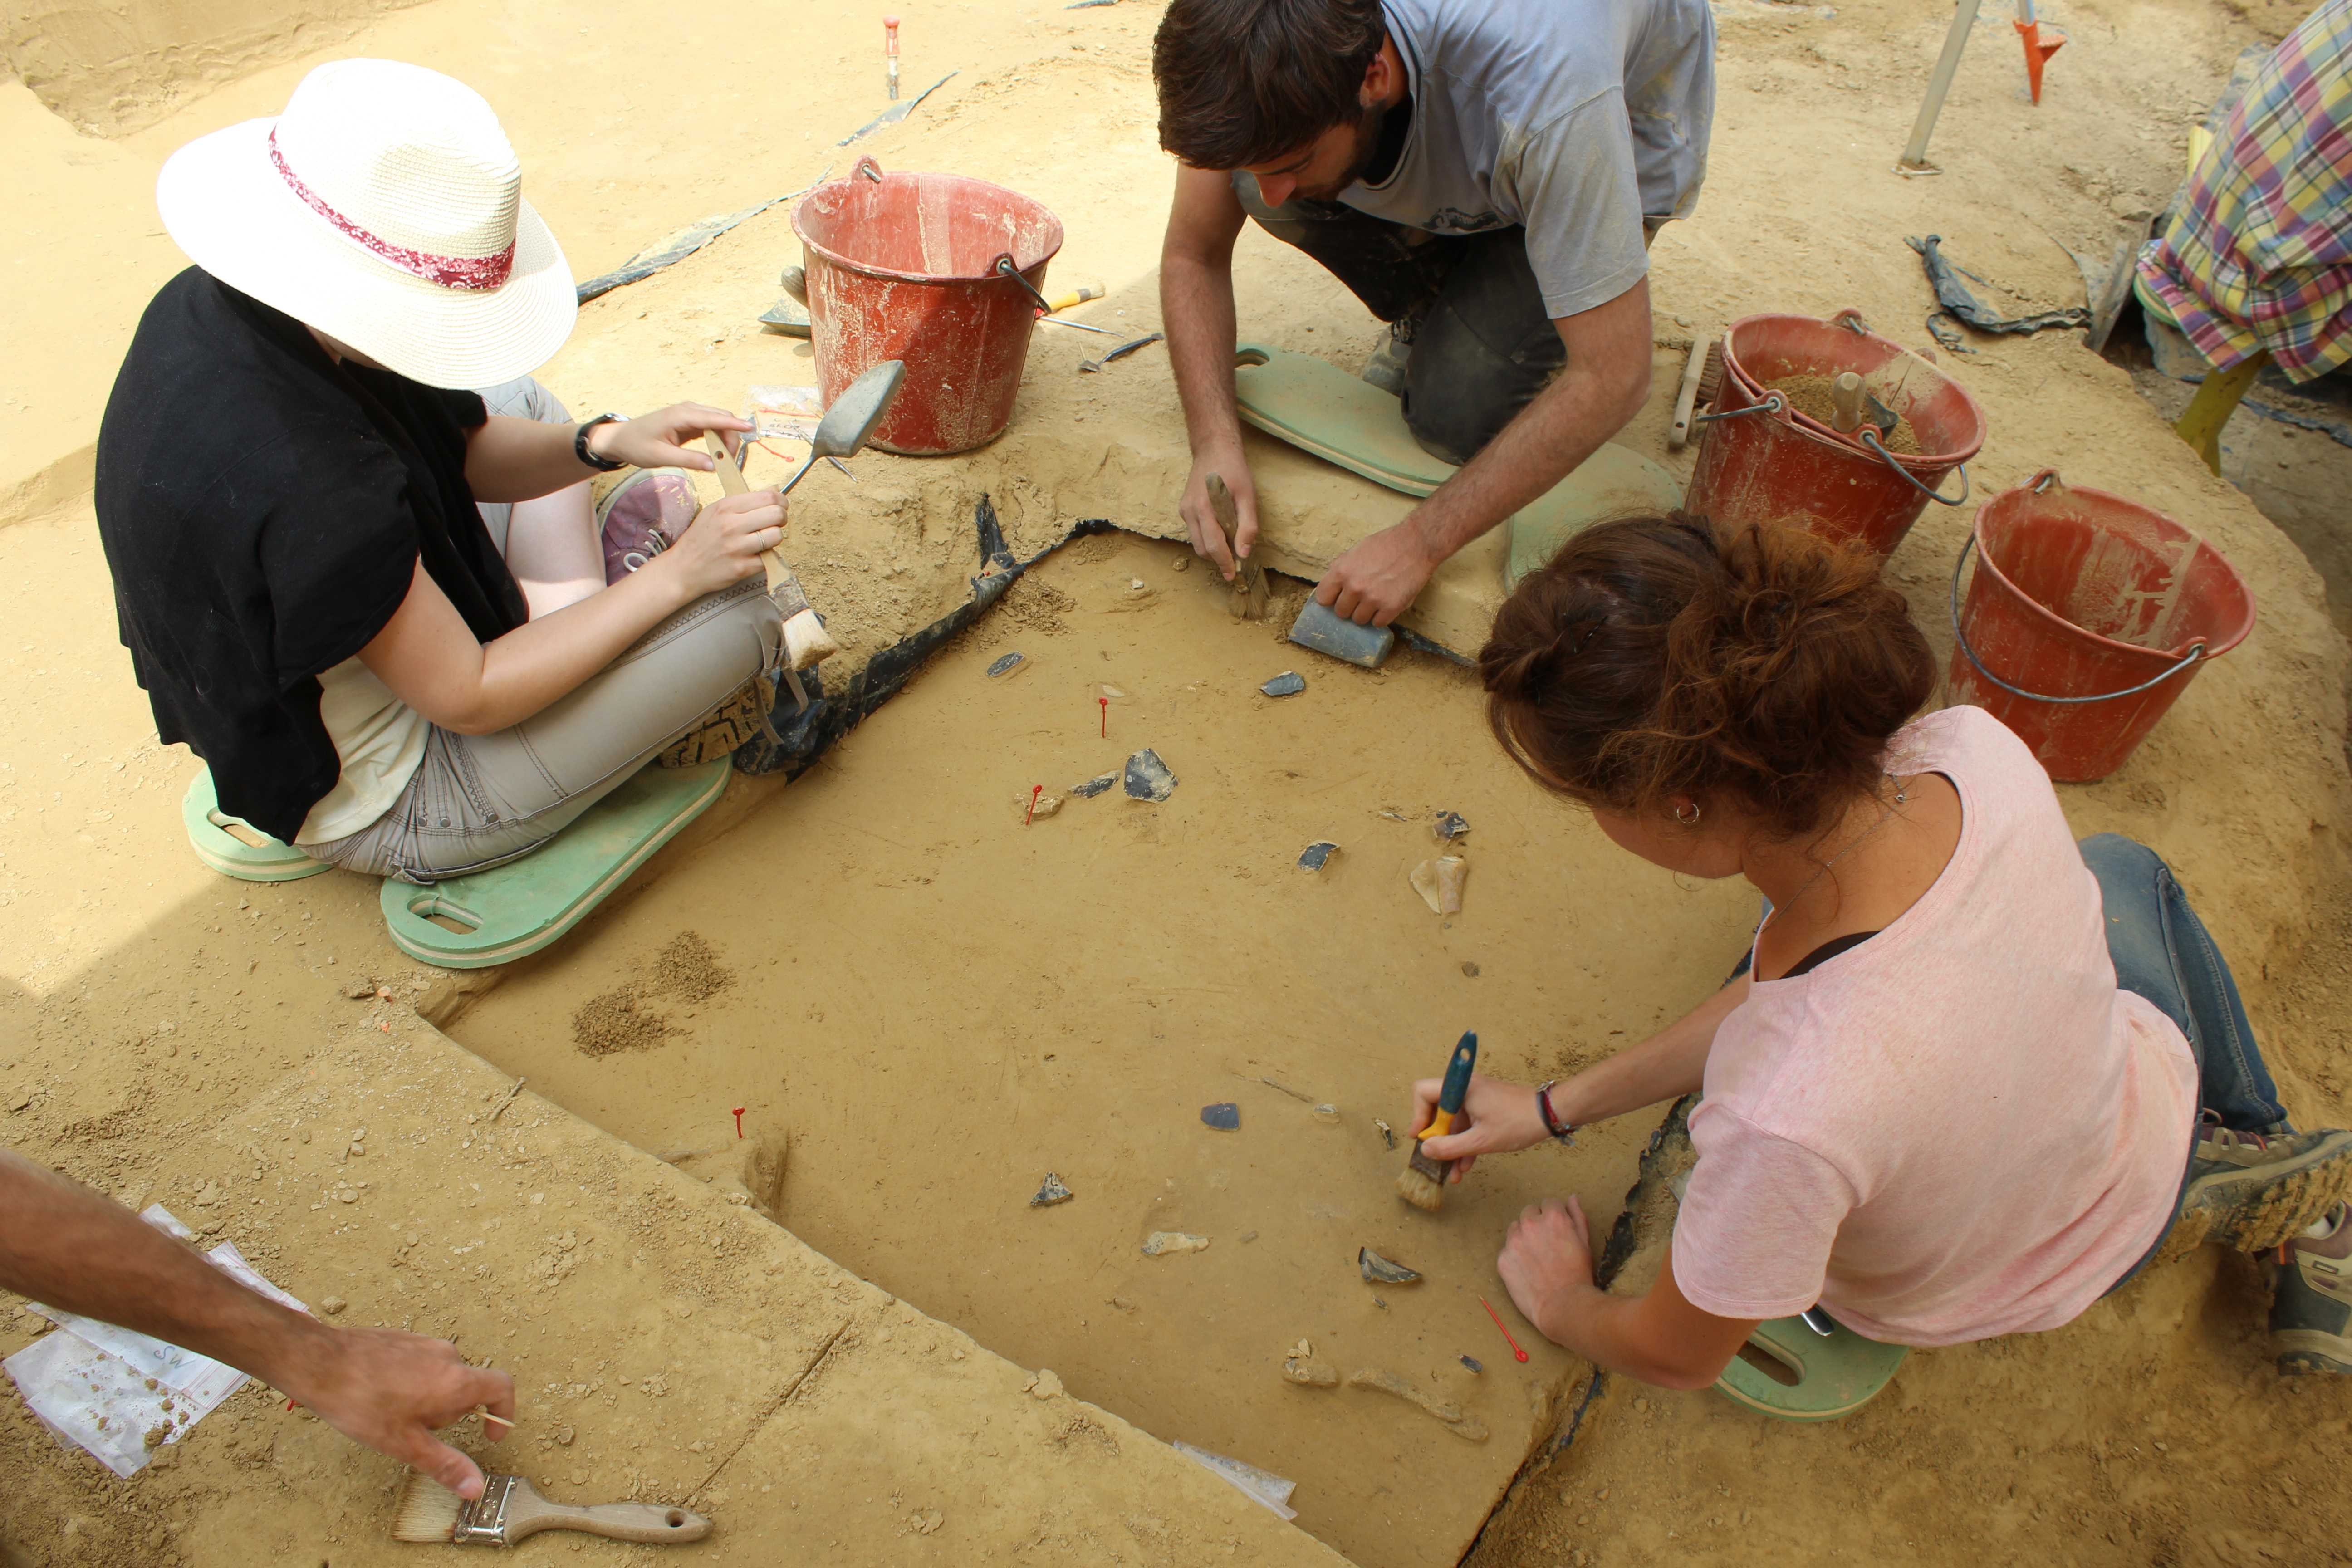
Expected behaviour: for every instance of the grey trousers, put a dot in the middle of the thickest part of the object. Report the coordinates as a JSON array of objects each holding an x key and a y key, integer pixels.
[{"x": 478, "y": 801}]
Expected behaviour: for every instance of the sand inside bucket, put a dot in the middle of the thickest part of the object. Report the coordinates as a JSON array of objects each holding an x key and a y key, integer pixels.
[{"x": 1809, "y": 394}]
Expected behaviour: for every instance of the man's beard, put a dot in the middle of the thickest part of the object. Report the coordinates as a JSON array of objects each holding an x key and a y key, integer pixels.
[{"x": 1360, "y": 158}]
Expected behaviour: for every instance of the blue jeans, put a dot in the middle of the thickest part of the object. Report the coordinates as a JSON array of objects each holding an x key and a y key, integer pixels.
[{"x": 2161, "y": 950}]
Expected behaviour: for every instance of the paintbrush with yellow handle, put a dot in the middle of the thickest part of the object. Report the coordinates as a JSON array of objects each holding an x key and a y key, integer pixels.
[
  {"x": 1421, "y": 1182},
  {"x": 510, "y": 1507}
]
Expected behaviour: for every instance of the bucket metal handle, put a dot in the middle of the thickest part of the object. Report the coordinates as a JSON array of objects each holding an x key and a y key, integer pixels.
[
  {"x": 1870, "y": 439},
  {"x": 1004, "y": 268},
  {"x": 2196, "y": 649},
  {"x": 1851, "y": 320},
  {"x": 1773, "y": 403},
  {"x": 869, "y": 168}
]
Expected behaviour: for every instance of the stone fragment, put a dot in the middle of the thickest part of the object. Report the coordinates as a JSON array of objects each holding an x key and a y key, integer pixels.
[
  {"x": 1308, "y": 1373},
  {"x": 1289, "y": 683},
  {"x": 1327, "y": 1114},
  {"x": 1379, "y": 1270},
  {"x": 1318, "y": 855},
  {"x": 1010, "y": 664},
  {"x": 1045, "y": 1384},
  {"x": 1094, "y": 786},
  {"x": 1161, "y": 1242},
  {"x": 1043, "y": 807},
  {"x": 1224, "y": 1116},
  {"x": 1449, "y": 827},
  {"x": 1052, "y": 1192},
  {"x": 332, "y": 1305},
  {"x": 1147, "y": 777},
  {"x": 1439, "y": 883}
]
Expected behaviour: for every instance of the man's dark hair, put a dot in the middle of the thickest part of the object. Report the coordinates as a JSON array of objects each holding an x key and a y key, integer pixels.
[{"x": 1244, "y": 81}]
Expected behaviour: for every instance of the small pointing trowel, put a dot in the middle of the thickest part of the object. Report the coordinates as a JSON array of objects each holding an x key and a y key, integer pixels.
[{"x": 1248, "y": 601}]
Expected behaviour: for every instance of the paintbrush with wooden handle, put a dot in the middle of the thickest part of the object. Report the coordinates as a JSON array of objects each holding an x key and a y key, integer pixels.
[{"x": 510, "y": 1507}]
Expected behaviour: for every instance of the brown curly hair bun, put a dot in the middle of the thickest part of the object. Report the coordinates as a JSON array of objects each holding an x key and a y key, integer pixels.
[{"x": 1661, "y": 656}]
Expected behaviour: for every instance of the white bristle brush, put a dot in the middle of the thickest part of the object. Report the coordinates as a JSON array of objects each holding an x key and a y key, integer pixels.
[{"x": 510, "y": 1507}]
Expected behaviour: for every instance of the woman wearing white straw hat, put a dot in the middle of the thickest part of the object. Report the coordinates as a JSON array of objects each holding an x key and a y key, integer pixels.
[{"x": 288, "y": 475}]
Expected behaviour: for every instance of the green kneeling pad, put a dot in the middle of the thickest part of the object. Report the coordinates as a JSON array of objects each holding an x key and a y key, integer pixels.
[
  {"x": 1836, "y": 1374},
  {"x": 1318, "y": 407},
  {"x": 235, "y": 848},
  {"x": 497, "y": 916}
]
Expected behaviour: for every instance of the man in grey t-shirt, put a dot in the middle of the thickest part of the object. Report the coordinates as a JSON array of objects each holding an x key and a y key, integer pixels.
[{"x": 1484, "y": 176}]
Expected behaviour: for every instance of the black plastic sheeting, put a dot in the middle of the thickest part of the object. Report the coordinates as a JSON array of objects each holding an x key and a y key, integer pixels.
[
  {"x": 1954, "y": 299},
  {"x": 802, "y": 737},
  {"x": 832, "y": 715}
]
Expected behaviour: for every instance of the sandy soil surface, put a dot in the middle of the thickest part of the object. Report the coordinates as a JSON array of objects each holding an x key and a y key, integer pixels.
[
  {"x": 944, "y": 1005},
  {"x": 666, "y": 1344},
  {"x": 1154, "y": 954}
]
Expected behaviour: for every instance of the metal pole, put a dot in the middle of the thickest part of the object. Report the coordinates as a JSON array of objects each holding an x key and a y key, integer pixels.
[{"x": 1947, "y": 66}]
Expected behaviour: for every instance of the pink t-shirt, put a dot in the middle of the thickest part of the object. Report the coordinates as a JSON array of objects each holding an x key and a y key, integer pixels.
[{"x": 1960, "y": 1128}]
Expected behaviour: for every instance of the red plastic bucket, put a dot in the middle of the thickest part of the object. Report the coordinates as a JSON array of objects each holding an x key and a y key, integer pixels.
[
  {"x": 1758, "y": 463},
  {"x": 903, "y": 267},
  {"x": 2086, "y": 618}
]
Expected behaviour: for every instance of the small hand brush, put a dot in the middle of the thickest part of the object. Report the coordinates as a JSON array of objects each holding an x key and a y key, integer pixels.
[
  {"x": 1421, "y": 1182},
  {"x": 511, "y": 1509}
]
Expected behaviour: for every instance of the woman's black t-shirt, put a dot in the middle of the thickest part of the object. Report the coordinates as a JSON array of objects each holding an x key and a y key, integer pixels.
[{"x": 263, "y": 510}]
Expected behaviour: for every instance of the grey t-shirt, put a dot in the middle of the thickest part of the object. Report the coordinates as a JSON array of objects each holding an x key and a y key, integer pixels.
[{"x": 1577, "y": 118}]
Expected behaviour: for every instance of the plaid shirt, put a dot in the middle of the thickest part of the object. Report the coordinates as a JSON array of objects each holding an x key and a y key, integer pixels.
[{"x": 2260, "y": 254}]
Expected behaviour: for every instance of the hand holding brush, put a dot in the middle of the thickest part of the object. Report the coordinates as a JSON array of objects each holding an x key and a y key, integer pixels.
[
  {"x": 1422, "y": 1181},
  {"x": 1492, "y": 1117}
]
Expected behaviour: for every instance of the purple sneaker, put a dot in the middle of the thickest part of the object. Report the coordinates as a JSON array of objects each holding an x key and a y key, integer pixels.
[{"x": 641, "y": 516}]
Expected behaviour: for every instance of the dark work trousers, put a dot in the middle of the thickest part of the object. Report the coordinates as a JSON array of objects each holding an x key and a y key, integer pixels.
[{"x": 1481, "y": 346}]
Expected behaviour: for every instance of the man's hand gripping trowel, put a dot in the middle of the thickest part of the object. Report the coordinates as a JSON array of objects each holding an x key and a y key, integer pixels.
[{"x": 842, "y": 432}]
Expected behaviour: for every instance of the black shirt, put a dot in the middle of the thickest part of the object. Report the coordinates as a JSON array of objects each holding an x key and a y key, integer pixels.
[{"x": 263, "y": 510}]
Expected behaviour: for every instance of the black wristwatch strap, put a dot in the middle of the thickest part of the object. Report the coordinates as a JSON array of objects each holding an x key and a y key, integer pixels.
[
  {"x": 1566, "y": 1134},
  {"x": 579, "y": 444}
]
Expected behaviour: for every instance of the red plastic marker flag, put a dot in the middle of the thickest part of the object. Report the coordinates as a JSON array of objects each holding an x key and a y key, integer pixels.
[
  {"x": 739, "y": 1121},
  {"x": 1030, "y": 816},
  {"x": 1506, "y": 1334},
  {"x": 1106, "y": 716}
]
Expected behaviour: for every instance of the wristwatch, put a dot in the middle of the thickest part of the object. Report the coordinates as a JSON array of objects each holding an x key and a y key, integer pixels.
[
  {"x": 580, "y": 443},
  {"x": 1564, "y": 1132}
]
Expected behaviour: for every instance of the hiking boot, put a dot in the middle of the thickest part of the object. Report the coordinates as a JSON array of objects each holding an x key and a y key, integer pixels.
[
  {"x": 2255, "y": 1191},
  {"x": 725, "y": 727},
  {"x": 2311, "y": 1300},
  {"x": 1385, "y": 369}
]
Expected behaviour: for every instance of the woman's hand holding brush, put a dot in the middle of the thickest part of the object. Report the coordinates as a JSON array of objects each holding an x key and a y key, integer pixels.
[{"x": 1495, "y": 1119}]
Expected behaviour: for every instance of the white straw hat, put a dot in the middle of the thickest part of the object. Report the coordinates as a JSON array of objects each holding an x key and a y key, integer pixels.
[{"x": 383, "y": 207}]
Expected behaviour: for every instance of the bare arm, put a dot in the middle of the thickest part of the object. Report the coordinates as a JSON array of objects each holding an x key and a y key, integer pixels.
[
  {"x": 514, "y": 460},
  {"x": 1196, "y": 310},
  {"x": 554, "y": 552},
  {"x": 429, "y": 658},
  {"x": 1605, "y": 383},
  {"x": 1659, "y": 1337},
  {"x": 66, "y": 1247},
  {"x": 1498, "y": 1117}
]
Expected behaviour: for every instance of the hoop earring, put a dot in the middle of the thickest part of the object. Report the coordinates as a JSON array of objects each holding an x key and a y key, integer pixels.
[{"x": 1692, "y": 820}]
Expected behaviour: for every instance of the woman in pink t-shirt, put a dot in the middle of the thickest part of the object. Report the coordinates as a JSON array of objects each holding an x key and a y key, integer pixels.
[{"x": 1955, "y": 1090}]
